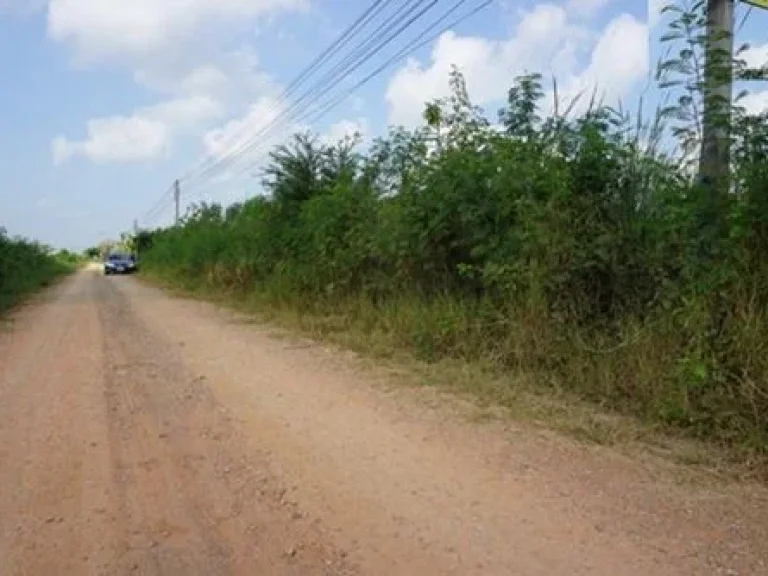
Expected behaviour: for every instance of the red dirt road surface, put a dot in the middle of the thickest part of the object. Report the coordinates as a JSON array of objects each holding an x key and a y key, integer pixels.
[{"x": 145, "y": 434}]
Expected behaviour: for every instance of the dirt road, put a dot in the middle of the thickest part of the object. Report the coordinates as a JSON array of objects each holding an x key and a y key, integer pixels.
[{"x": 143, "y": 434}]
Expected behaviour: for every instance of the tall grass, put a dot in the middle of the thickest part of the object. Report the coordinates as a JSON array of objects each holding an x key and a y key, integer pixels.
[
  {"x": 566, "y": 247},
  {"x": 27, "y": 266}
]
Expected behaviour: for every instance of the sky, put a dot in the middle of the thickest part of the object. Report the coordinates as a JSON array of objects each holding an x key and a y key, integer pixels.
[{"x": 104, "y": 103}]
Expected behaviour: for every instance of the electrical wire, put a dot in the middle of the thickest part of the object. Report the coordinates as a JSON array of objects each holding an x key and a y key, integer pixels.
[
  {"x": 158, "y": 207},
  {"x": 380, "y": 38},
  {"x": 744, "y": 20},
  {"x": 290, "y": 114},
  {"x": 317, "y": 88},
  {"x": 414, "y": 45},
  {"x": 351, "y": 31}
]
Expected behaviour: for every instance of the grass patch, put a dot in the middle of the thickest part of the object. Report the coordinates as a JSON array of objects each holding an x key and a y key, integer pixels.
[
  {"x": 27, "y": 267},
  {"x": 495, "y": 392},
  {"x": 568, "y": 259}
]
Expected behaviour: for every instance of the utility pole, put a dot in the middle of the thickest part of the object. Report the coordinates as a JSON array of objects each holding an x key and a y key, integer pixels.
[
  {"x": 176, "y": 199},
  {"x": 715, "y": 157},
  {"x": 136, "y": 238}
]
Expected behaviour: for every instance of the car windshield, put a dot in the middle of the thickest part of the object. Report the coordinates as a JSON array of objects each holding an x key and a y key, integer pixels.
[{"x": 117, "y": 257}]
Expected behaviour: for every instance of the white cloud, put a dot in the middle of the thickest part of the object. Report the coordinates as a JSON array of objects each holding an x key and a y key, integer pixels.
[
  {"x": 587, "y": 7},
  {"x": 115, "y": 139},
  {"x": 245, "y": 142},
  {"x": 145, "y": 135},
  {"x": 185, "y": 111},
  {"x": 543, "y": 38},
  {"x": 239, "y": 132},
  {"x": 756, "y": 102},
  {"x": 755, "y": 56},
  {"x": 346, "y": 128},
  {"x": 176, "y": 48},
  {"x": 546, "y": 41},
  {"x": 232, "y": 77},
  {"x": 654, "y": 11},
  {"x": 107, "y": 29},
  {"x": 619, "y": 60},
  {"x": 61, "y": 150}
]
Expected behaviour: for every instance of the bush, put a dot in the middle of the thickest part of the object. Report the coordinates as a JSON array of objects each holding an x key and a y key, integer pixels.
[
  {"x": 567, "y": 247},
  {"x": 26, "y": 266}
]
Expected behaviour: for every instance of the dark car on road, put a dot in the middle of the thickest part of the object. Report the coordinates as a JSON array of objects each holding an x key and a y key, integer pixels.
[{"x": 119, "y": 264}]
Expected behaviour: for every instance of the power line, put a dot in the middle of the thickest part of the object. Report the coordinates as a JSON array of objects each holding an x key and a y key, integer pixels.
[
  {"x": 744, "y": 20},
  {"x": 157, "y": 208},
  {"x": 392, "y": 27},
  {"x": 414, "y": 45},
  {"x": 316, "y": 88},
  {"x": 290, "y": 113},
  {"x": 351, "y": 31},
  {"x": 368, "y": 48},
  {"x": 355, "y": 28}
]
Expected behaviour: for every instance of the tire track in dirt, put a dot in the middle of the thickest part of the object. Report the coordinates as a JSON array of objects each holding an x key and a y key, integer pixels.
[
  {"x": 118, "y": 461},
  {"x": 192, "y": 501},
  {"x": 54, "y": 472},
  {"x": 415, "y": 490},
  {"x": 143, "y": 434}
]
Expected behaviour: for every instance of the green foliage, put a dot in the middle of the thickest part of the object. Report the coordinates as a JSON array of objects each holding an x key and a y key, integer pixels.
[
  {"x": 26, "y": 266},
  {"x": 92, "y": 253},
  {"x": 564, "y": 246}
]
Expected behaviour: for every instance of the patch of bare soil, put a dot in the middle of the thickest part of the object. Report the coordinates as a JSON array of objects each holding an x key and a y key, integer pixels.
[{"x": 144, "y": 434}]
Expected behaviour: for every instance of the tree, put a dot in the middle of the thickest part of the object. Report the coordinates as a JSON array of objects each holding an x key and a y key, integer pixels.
[{"x": 433, "y": 116}]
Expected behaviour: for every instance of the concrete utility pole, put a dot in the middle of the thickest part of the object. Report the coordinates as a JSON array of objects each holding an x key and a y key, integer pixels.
[
  {"x": 715, "y": 157},
  {"x": 136, "y": 237},
  {"x": 176, "y": 199}
]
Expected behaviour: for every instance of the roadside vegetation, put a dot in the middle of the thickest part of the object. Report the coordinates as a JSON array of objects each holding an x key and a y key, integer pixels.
[
  {"x": 575, "y": 250},
  {"x": 27, "y": 266}
]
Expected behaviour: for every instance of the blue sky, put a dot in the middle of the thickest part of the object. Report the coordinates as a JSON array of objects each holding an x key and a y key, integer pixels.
[{"x": 105, "y": 102}]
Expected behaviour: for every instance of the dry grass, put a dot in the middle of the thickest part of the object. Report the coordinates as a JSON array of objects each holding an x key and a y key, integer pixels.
[{"x": 492, "y": 395}]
